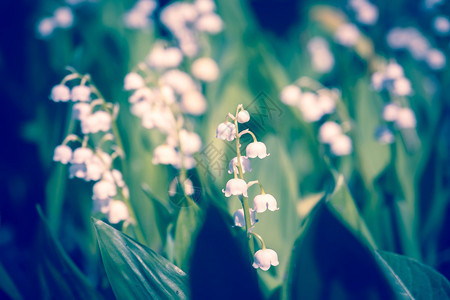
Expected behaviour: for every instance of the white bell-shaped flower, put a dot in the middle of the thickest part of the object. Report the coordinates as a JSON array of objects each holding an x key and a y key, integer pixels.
[
  {"x": 265, "y": 258},
  {"x": 204, "y": 6},
  {"x": 133, "y": 81},
  {"x": 103, "y": 190},
  {"x": 226, "y": 131},
  {"x": 63, "y": 154},
  {"x": 263, "y": 202},
  {"x": 97, "y": 165},
  {"x": 235, "y": 187},
  {"x": 193, "y": 102},
  {"x": 290, "y": 95},
  {"x": 180, "y": 81},
  {"x": 160, "y": 58},
  {"x": 114, "y": 176},
  {"x": 210, "y": 23},
  {"x": 239, "y": 217},
  {"x": 326, "y": 103},
  {"x": 46, "y": 27},
  {"x": 118, "y": 211},
  {"x": 81, "y": 155},
  {"x": 81, "y": 93},
  {"x": 205, "y": 69},
  {"x": 341, "y": 145},
  {"x": 390, "y": 112},
  {"x": 142, "y": 94},
  {"x": 402, "y": 87},
  {"x": 406, "y": 118},
  {"x": 245, "y": 163},
  {"x": 190, "y": 142},
  {"x": 347, "y": 35},
  {"x": 328, "y": 131},
  {"x": 61, "y": 93},
  {"x": 256, "y": 149},
  {"x": 81, "y": 110},
  {"x": 63, "y": 17},
  {"x": 165, "y": 154},
  {"x": 243, "y": 116},
  {"x": 98, "y": 121}
]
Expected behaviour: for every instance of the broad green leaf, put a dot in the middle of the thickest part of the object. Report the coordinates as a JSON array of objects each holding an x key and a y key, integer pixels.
[
  {"x": 412, "y": 278},
  {"x": 7, "y": 286},
  {"x": 221, "y": 265},
  {"x": 61, "y": 277},
  {"x": 330, "y": 262},
  {"x": 135, "y": 271}
]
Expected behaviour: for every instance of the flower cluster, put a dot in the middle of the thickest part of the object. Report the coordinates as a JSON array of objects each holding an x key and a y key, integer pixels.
[
  {"x": 237, "y": 186},
  {"x": 62, "y": 18},
  {"x": 93, "y": 157},
  {"x": 138, "y": 17},
  {"x": 322, "y": 60},
  {"x": 410, "y": 39},
  {"x": 392, "y": 79},
  {"x": 317, "y": 103},
  {"x": 163, "y": 92}
]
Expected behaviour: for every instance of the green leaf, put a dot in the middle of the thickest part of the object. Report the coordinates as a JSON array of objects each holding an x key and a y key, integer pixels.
[
  {"x": 221, "y": 265},
  {"x": 61, "y": 277},
  {"x": 329, "y": 262},
  {"x": 137, "y": 272},
  {"x": 7, "y": 285},
  {"x": 412, "y": 278}
]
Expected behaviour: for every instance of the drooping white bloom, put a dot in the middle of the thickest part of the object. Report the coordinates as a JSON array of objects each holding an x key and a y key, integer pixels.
[
  {"x": 114, "y": 176},
  {"x": 442, "y": 25},
  {"x": 235, "y": 187},
  {"x": 193, "y": 102},
  {"x": 243, "y": 116},
  {"x": 290, "y": 95},
  {"x": 367, "y": 14},
  {"x": 205, "y": 69},
  {"x": 347, "y": 35},
  {"x": 245, "y": 163},
  {"x": 139, "y": 109},
  {"x": 310, "y": 108},
  {"x": 377, "y": 81},
  {"x": 239, "y": 217},
  {"x": 204, "y": 6},
  {"x": 326, "y": 103},
  {"x": 97, "y": 165},
  {"x": 63, "y": 154},
  {"x": 81, "y": 93},
  {"x": 142, "y": 94},
  {"x": 384, "y": 135},
  {"x": 190, "y": 142},
  {"x": 210, "y": 23},
  {"x": 81, "y": 155},
  {"x": 322, "y": 60},
  {"x": 405, "y": 118},
  {"x": 46, "y": 27},
  {"x": 61, "y": 93},
  {"x": 390, "y": 112},
  {"x": 165, "y": 154},
  {"x": 81, "y": 110},
  {"x": 188, "y": 187},
  {"x": 341, "y": 145},
  {"x": 226, "y": 131},
  {"x": 393, "y": 71},
  {"x": 180, "y": 81},
  {"x": 63, "y": 17},
  {"x": 435, "y": 59},
  {"x": 161, "y": 118},
  {"x": 164, "y": 58},
  {"x": 133, "y": 81},
  {"x": 117, "y": 212},
  {"x": 103, "y": 190},
  {"x": 264, "y": 258},
  {"x": 263, "y": 202},
  {"x": 328, "y": 131},
  {"x": 98, "y": 121},
  {"x": 135, "y": 19},
  {"x": 256, "y": 149},
  {"x": 402, "y": 87}
]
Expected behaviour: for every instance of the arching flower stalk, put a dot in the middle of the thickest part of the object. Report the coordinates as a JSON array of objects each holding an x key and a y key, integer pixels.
[
  {"x": 92, "y": 146},
  {"x": 167, "y": 86},
  {"x": 238, "y": 186}
]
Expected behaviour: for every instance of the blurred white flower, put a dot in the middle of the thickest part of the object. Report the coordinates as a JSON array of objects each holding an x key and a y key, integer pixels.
[
  {"x": 165, "y": 154},
  {"x": 81, "y": 155},
  {"x": 204, "y": 6},
  {"x": 402, "y": 87},
  {"x": 341, "y": 145},
  {"x": 81, "y": 110},
  {"x": 142, "y": 94},
  {"x": 117, "y": 211},
  {"x": 256, "y": 149},
  {"x": 235, "y": 187},
  {"x": 326, "y": 103},
  {"x": 205, "y": 69},
  {"x": 61, "y": 93},
  {"x": 98, "y": 121},
  {"x": 347, "y": 35},
  {"x": 190, "y": 142},
  {"x": 435, "y": 59},
  {"x": 322, "y": 59},
  {"x": 77, "y": 170},
  {"x": 390, "y": 112},
  {"x": 63, "y": 17},
  {"x": 405, "y": 118},
  {"x": 384, "y": 135},
  {"x": 442, "y": 25},
  {"x": 239, "y": 217},
  {"x": 164, "y": 58},
  {"x": 133, "y": 81},
  {"x": 290, "y": 95},
  {"x": 81, "y": 93},
  {"x": 46, "y": 27},
  {"x": 210, "y": 23},
  {"x": 264, "y": 258},
  {"x": 193, "y": 102},
  {"x": 226, "y": 131},
  {"x": 180, "y": 81},
  {"x": 243, "y": 116},
  {"x": 328, "y": 131},
  {"x": 103, "y": 190},
  {"x": 245, "y": 164},
  {"x": 310, "y": 108},
  {"x": 114, "y": 176},
  {"x": 393, "y": 71},
  {"x": 63, "y": 154},
  {"x": 263, "y": 202}
]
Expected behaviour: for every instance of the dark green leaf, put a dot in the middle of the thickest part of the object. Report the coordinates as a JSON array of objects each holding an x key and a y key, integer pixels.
[
  {"x": 412, "y": 278},
  {"x": 7, "y": 285},
  {"x": 135, "y": 271}
]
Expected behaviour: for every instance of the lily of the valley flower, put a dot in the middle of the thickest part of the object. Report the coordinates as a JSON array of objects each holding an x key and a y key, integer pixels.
[
  {"x": 235, "y": 187},
  {"x": 133, "y": 81},
  {"x": 226, "y": 131},
  {"x": 243, "y": 116},
  {"x": 63, "y": 154},
  {"x": 117, "y": 212},
  {"x": 264, "y": 258},
  {"x": 61, "y": 93},
  {"x": 263, "y": 202},
  {"x": 81, "y": 93},
  {"x": 256, "y": 149},
  {"x": 239, "y": 217},
  {"x": 245, "y": 163}
]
